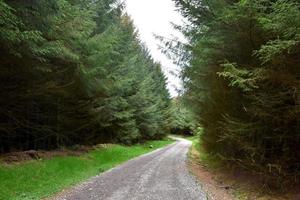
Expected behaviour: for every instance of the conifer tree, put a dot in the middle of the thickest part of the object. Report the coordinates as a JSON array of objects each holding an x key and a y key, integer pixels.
[
  {"x": 74, "y": 72},
  {"x": 242, "y": 79}
]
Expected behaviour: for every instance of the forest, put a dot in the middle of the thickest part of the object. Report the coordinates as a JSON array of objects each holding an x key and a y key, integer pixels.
[
  {"x": 75, "y": 72},
  {"x": 241, "y": 74}
]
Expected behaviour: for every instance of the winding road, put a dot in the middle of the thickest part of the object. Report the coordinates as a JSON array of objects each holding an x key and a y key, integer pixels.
[{"x": 159, "y": 175}]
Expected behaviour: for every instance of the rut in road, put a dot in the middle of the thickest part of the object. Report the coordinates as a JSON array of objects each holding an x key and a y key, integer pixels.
[{"x": 160, "y": 175}]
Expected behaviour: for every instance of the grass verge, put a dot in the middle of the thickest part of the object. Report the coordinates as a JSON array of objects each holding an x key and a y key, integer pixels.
[{"x": 40, "y": 179}]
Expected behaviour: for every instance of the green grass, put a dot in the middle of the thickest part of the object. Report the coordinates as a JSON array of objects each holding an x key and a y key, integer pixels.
[
  {"x": 40, "y": 179},
  {"x": 205, "y": 158}
]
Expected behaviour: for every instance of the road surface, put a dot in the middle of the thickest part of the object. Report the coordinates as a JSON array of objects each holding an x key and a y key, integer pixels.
[{"x": 160, "y": 175}]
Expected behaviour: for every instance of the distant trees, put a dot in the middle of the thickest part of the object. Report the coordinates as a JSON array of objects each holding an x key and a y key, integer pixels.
[
  {"x": 74, "y": 71},
  {"x": 242, "y": 80},
  {"x": 183, "y": 120}
]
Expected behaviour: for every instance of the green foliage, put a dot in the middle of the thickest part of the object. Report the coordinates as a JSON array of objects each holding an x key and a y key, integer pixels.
[
  {"x": 74, "y": 71},
  {"x": 241, "y": 78},
  {"x": 241, "y": 81},
  {"x": 41, "y": 179},
  {"x": 183, "y": 121}
]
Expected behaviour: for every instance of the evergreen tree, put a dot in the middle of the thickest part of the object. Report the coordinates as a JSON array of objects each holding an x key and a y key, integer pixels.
[
  {"x": 242, "y": 79},
  {"x": 74, "y": 72}
]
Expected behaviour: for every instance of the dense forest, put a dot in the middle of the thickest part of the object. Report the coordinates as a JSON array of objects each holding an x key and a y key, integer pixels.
[
  {"x": 241, "y": 73},
  {"x": 75, "y": 72}
]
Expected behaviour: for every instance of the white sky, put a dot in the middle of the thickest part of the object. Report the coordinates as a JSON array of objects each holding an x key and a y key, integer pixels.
[{"x": 155, "y": 17}]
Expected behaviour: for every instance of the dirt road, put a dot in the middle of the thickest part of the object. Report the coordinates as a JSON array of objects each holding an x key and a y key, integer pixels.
[{"x": 160, "y": 175}]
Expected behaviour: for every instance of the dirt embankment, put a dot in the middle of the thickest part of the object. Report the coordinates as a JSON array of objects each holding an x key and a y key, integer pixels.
[
  {"x": 225, "y": 184},
  {"x": 214, "y": 189},
  {"x": 24, "y": 156}
]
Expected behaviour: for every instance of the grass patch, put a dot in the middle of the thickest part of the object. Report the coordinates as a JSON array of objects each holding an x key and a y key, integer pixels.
[
  {"x": 198, "y": 154},
  {"x": 40, "y": 179}
]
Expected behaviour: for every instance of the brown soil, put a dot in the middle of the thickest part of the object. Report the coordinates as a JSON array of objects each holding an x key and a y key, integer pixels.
[
  {"x": 212, "y": 187},
  {"x": 226, "y": 184},
  {"x": 24, "y": 156}
]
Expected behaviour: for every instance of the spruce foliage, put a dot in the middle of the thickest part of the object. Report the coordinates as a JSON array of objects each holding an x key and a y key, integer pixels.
[
  {"x": 242, "y": 79},
  {"x": 74, "y": 72}
]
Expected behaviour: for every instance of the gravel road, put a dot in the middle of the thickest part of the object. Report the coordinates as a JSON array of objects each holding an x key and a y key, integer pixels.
[{"x": 160, "y": 175}]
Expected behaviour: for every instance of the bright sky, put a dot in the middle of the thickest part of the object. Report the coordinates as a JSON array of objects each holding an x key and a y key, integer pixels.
[{"x": 155, "y": 17}]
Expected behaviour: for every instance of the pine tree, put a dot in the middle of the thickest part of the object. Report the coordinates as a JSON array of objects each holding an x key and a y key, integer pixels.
[
  {"x": 242, "y": 79},
  {"x": 72, "y": 72}
]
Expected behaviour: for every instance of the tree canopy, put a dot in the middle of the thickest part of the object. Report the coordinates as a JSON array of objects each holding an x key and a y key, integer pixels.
[
  {"x": 75, "y": 72},
  {"x": 242, "y": 80}
]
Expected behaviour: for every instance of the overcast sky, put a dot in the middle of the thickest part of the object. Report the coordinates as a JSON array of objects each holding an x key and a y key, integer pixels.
[{"x": 155, "y": 17}]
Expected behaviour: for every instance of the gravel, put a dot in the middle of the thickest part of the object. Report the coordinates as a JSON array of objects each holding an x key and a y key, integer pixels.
[{"x": 160, "y": 175}]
